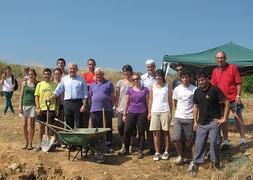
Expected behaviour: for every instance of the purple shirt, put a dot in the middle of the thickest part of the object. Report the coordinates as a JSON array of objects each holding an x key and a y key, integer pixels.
[
  {"x": 137, "y": 100},
  {"x": 101, "y": 96}
]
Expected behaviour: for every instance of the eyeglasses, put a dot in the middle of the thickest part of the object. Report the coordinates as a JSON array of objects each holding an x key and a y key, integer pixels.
[
  {"x": 179, "y": 69},
  {"x": 136, "y": 79}
]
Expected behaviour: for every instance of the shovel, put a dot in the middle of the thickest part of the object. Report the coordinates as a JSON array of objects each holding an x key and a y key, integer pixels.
[{"x": 47, "y": 141}]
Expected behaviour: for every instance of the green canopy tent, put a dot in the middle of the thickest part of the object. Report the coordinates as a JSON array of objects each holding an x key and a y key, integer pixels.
[{"x": 242, "y": 57}]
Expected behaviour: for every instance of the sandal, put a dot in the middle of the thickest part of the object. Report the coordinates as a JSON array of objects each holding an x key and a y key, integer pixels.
[
  {"x": 25, "y": 146},
  {"x": 29, "y": 147}
]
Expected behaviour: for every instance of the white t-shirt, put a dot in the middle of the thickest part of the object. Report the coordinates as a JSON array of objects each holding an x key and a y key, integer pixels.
[
  {"x": 184, "y": 97},
  {"x": 160, "y": 99},
  {"x": 123, "y": 86},
  {"x": 147, "y": 81},
  {"x": 8, "y": 86}
]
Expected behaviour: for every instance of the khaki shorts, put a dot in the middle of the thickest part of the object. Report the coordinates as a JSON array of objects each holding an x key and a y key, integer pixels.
[
  {"x": 160, "y": 120},
  {"x": 28, "y": 111}
]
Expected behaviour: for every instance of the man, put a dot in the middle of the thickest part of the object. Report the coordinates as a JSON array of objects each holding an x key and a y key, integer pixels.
[
  {"x": 183, "y": 122},
  {"x": 207, "y": 120},
  {"x": 75, "y": 96},
  {"x": 177, "y": 81},
  {"x": 43, "y": 91},
  {"x": 227, "y": 77},
  {"x": 61, "y": 63},
  {"x": 102, "y": 99},
  {"x": 89, "y": 78},
  {"x": 147, "y": 80}
]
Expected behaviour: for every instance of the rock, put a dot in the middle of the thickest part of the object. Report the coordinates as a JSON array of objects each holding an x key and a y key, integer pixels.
[
  {"x": 14, "y": 166},
  {"x": 57, "y": 171},
  {"x": 18, "y": 170},
  {"x": 8, "y": 171}
]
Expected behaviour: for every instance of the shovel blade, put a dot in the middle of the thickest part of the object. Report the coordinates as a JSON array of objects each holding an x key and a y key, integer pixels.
[{"x": 45, "y": 144}]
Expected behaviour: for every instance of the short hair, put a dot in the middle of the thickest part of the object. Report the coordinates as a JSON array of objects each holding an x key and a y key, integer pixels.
[
  {"x": 72, "y": 64},
  {"x": 127, "y": 68},
  {"x": 180, "y": 64},
  {"x": 225, "y": 56},
  {"x": 184, "y": 72},
  {"x": 160, "y": 72},
  {"x": 201, "y": 74},
  {"x": 99, "y": 70},
  {"x": 150, "y": 61},
  {"x": 61, "y": 59},
  {"x": 91, "y": 60},
  {"x": 47, "y": 70},
  {"x": 57, "y": 69}
]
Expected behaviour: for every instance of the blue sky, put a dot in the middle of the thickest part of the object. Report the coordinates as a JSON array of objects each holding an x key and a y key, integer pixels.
[{"x": 117, "y": 32}]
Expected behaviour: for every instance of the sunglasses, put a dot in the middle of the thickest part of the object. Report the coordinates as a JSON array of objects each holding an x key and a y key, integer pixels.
[{"x": 136, "y": 79}]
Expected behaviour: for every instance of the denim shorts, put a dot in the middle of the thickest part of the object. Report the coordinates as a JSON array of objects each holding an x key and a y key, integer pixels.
[{"x": 236, "y": 108}]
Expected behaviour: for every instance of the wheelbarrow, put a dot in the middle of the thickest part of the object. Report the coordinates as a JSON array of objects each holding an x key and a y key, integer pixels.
[{"x": 82, "y": 139}]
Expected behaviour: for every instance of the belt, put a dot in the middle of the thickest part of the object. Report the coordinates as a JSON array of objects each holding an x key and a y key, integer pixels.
[{"x": 73, "y": 100}]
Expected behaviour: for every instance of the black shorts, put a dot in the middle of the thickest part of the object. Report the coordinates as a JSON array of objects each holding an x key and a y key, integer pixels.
[{"x": 43, "y": 117}]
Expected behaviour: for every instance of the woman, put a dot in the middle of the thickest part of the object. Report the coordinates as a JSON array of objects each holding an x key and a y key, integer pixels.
[
  {"x": 160, "y": 105},
  {"x": 57, "y": 73},
  {"x": 27, "y": 107},
  {"x": 136, "y": 112},
  {"x": 8, "y": 88},
  {"x": 121, "y": 88}
]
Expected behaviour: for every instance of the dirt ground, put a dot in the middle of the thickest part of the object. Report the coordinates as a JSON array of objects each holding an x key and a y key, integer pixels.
[{"x": 16, "y": 163}]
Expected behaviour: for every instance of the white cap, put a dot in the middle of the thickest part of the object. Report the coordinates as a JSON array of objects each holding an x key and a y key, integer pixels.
[{"x": 150, "y": 61}]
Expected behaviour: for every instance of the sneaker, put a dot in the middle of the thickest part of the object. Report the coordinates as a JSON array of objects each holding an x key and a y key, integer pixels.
[
  {"x": 38, "y": 148},
  {"x": 165, "y": 156},
  {"x": 179, "y": 160},
  {"x": 140, "y": 155},
  {"x": 156, "y": 157},
  {"x": 131, "y": 149},
  {"x": 243, "y": 145},
  {"x": 225, "y": 147},
  {"x": 190, "y": 166},
  {"x": 30, "y": 147},
  {"x": 123, "y": 152},
  {"x": 193, "y": 170}
]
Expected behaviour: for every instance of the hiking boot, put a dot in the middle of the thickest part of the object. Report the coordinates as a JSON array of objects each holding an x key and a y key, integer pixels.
[
  {"x": 179, "y": 160},
  {"x": 156, "y": 157},
  {"x": 165, "y": 156},
  {"x": 140, "y": 155},
  {"x": 30, "y": 147},
  {"x": 243, "y": 145},
  {"x": 225, "y": 147},
  {"x": 216, "y": 166}
]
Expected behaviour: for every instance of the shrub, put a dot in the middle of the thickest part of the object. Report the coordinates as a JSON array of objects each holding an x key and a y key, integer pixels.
[{"x": 247, "y": 84}]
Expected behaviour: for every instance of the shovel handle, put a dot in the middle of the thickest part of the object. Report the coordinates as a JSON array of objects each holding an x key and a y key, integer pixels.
[{"x": 48, "y": 103}]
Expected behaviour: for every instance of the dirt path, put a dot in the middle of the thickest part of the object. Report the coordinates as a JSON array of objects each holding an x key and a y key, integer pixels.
[{"x": 16, "y": 163}]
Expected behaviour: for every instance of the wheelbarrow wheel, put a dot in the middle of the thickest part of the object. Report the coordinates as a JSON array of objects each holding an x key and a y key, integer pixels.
[{"x": 98, "y": 157}]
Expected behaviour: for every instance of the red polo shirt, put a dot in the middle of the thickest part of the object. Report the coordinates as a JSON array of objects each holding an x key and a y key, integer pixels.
[
  {"x": 89, "y": 78},
  {"x": 227, "y": 80}
]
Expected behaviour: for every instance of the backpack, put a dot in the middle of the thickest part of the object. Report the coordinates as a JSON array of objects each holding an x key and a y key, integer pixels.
[{"x": 14, "y": 82}]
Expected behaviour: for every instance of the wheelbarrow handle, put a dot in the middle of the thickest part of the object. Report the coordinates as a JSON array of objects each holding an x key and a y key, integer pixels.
[
  {"x": 65, "y": 124},
  {"x": 56, "y": 127}
]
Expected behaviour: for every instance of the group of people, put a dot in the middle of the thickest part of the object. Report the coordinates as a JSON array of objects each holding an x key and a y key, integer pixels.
[{"x": 143, "y": 104}]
